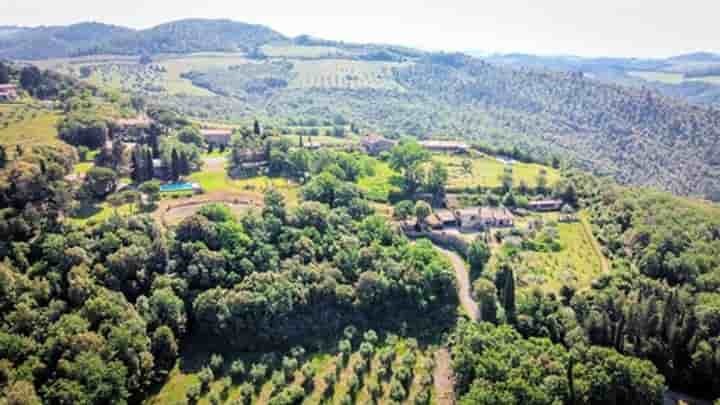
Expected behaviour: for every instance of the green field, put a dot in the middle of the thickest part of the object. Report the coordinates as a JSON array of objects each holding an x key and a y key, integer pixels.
[
  {"x": 673, "y": 78},
  {"x": 377, "y": 186},
  {"x": 578, "y": 263},
  {"x": 217, "y": 181},
  {"x": 22, "y": 124},
  {"x": 487, "y": 170}
]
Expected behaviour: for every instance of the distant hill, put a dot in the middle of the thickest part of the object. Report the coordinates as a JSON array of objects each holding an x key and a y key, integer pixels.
[
  {"x": 54, "y": 42},
  {"x": 610, "y": 115},
  {"x": 185, "y": 36}
]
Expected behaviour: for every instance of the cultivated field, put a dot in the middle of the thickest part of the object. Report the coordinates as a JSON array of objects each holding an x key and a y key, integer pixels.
[
  {"x": 344, "y": 74},
  {"x": 577, "y": 263},
  {"x": 22, "y": 124},
  {"x": 396, "y": 371},
  {"x": 295, "y": 51},
  {"x": 487, "y": 170}
]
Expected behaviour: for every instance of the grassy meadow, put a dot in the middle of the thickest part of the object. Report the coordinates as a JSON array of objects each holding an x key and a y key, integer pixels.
[
  {"x": 578, "y": 262},
  {"x": 23, "y": 124},
  {"x": 487, "y": 170}
]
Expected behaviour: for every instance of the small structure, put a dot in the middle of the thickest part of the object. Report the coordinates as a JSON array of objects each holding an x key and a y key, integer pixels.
[
  {"x": 376, "y": 144},
  {"x": 446, "y": 217},
  {"x": 217, "y": 137},
  {"x": 160, "y": 171},
  {"x": 545, "y": 205},
  {"x": 130, "y": 129},
  {"x": 445, "y": 146},
  {"x": 479, "y": 218},
  {"x": 8, "y": 92}
]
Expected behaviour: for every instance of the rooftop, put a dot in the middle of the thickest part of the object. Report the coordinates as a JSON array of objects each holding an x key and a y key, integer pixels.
[{"x": 208, "y": 132}]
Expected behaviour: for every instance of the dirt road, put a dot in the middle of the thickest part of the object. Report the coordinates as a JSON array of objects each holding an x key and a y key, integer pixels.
[
  {"x": 464, "y": 288},
  {"x": 443, "y": 378}
]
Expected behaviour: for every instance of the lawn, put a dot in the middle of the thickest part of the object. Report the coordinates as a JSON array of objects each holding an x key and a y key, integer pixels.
[
  {"x": 83, "y": 167},
  {"x": 217, "y": 180},
  {"x": 578, "y": 263},
  {"x": 487, "y": 170},
  {"x": 27, "y": 125},
  {"x": 99, "y": 212},
  {"x": 295, "y": 51},
  {"x": 377, "y": 185}
]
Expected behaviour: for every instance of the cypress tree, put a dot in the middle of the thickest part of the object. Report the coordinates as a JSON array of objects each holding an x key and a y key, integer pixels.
[
  {"x": 150, "y": 169},
  {"x": 174, "y": 165},
  {"x": 184, "y": 164},
  {"x": 3, "y": 157},
  {"x": 509, "y": 295},
  {"x": 256, "y": 128},
  {"x": 136, "y": 169}
]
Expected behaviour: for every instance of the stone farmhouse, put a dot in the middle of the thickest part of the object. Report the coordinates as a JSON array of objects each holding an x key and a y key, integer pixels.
[
  {"x": 546, "y": 205},
  {"x": 8, "y": 92},
  {"x": 480, "y": 218},
  {"x": 376, "y": 144},
  {"x": 445, "y": 146},
  {"x": 217, "y": 137}
]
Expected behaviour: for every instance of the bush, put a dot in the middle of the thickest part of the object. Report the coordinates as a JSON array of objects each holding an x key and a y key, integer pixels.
[
  {"x": 297, "y": 352},
  {"x": 374, "y": 389},
  {"x": 237, "y": 370},
  {"x": 194, "y": 393},
  {"x": 258, "y": 373},
  {"x": 370, "y": 337},
  {"x": 206, "y": 376},
  {"x": 216, "y": 363},
  {"x": 397, "y": 391},
  {"x": 404, "y": 375},
  {"x": 423, "y": 397},
  {"x": 366, "y": 350},
  {"x": 289, "y": 365}
]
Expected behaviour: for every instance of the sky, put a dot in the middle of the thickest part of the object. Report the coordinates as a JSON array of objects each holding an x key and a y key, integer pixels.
[{"x": 638, "y": 28}]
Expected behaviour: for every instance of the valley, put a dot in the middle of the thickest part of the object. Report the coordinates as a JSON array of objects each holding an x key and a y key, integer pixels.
[{"x": 211, "y": 212}]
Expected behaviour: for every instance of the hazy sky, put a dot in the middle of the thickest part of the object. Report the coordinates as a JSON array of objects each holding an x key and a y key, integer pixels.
[{"x": 583, "y": 27}]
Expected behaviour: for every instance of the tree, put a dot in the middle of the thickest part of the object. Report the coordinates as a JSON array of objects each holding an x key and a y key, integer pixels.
[
  {"x": 21, "y": 392},
  {"x": 4, "y": 73},
  {"x": 192, "y": 136},
  {"x": 485, "y": 293},
  {"x": 422, "y": 211},
  {"x": 152, "y": 190},
  {"x": 508, "y": 294},
  {"x": 467, "y": 167},
  {"x": 175, "y": 165},
  {"x": 404, "y": 210},
  {"x": 407, "y": 157},
  {"x": 436, "y": 179},
  {"x": 164, "y": 348},
  {"x": 541, "y": 182},
  {"x": 101, "y": 181},
  {"x": 257, "y": 131},
  {"x": 478, "y": 255},
  {"x": 3, "y": 157},
  {"x": 506, "y": 179}
]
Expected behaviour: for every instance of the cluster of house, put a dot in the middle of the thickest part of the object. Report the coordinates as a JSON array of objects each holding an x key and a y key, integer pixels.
[
  {"x": 474, "y": 219},
  {"x": 8, "y": 92},
  {"x": 375, "y": 144}
]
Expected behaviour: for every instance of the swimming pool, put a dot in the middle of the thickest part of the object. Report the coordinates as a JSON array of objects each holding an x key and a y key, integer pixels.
[{"x": 168, "y": 188}]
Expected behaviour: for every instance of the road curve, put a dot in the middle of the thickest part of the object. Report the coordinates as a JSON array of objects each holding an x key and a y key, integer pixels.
[{"x": 464, "y": 286}]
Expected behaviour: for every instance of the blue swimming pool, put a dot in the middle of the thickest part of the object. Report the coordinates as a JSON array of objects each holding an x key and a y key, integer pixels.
[{"x": 167, "y": 188}]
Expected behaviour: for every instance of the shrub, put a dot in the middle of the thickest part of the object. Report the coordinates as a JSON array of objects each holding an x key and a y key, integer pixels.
[
  {"x": 289, "y": 365},
  {"x": 361, "y": 366},
  {"x": 370, "y": 337},
  {"x": 397, "y": 391},
  {"x": 237, "y": 370},
  {"x": 374, "y": 389},
  {"x": 216, "y": 363},
  {"x": 193, "y": 393},
  {"x": 225, "y": 385},
  {"x": 387, "y": 356},
  {"x": 297, "y": 352},
  {"x": 423, "y": 397},
  {"x": 206, "y": 376},
  {"x": 366, "y": 350},
  {"x": 258, "y": 373},
  {"x": 408, "y": 359},
  {"x": 383, "y": 372},
  {"x": 404, "y": 375},
  {"x": 278, "y": 381},
  {"x": 350, "y": 332},
  {"x": 353, "y": 383}
]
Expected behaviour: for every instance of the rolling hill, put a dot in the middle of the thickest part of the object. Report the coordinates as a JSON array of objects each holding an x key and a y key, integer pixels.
[{"x": 634, "y": 133}]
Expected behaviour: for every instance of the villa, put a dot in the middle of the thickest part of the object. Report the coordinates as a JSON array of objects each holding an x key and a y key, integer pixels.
[{"x": 8, "y": 92}]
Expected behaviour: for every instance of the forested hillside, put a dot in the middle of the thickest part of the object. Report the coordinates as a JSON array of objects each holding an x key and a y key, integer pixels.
[{"x": 632, "y": 133}]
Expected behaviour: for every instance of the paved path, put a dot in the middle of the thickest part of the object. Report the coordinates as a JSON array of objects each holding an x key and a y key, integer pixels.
[{"x": 464, "y": 287}]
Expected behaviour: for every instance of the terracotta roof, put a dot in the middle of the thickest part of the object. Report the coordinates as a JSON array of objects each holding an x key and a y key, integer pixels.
[
  {"x": 445, "y": 215},
  {"x": 133, "y": 122},
  {"x": 206, "y": 132},
  {"x": 545, "y": 202},
  {"x": 444, "y": 144},
  {"x": 496, "y": 213}
]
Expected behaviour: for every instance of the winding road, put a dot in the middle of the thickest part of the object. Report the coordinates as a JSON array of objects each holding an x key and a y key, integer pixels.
[{"x": 462, "y": 275}]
